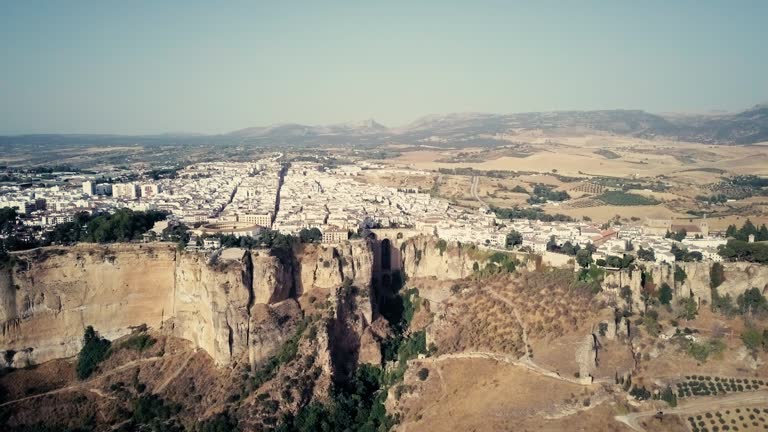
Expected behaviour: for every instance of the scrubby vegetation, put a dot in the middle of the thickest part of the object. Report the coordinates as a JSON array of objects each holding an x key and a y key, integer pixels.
[
  {"x": 607, "y": 154},
  {"x": 755, "y": 339},
  {"x": 267, "y": 370},
  {"x": 95, "y": 350},
  {"x": 752, "y": 301},
  {"x": 497, "y": 263},
  {"x": 358, "y": 404},
  {"x": 702, "y": 351},
  {"x": 139, "y": 342},
  {"x": 152, "y": 413}
]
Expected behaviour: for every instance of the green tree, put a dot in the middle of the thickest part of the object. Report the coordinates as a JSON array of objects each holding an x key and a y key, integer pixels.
[
  {"x": 665, "y": 294},
  {"x": 680, "y": 235},
  {"x": 716, "y": 275},
  {"x": 680, "y": 274},
  {"x": 669, "y": 396},
  {"x": 95, "y": 350},
  {"x": 626, "y": 295},
  {"x": 584, "y": 258},
  {"x": 751, "y": 301},
  {"x": 646, "y": 254},
  {"x": 651, "y": 323},
  {"x": 689, "y": 308},
  {"x": 7, "y": 219},
  {"x": 312, "y": 235},
  {"x": 752, "y": 338},
  {"x": 514, "y": 238},
  {"x": 552, "y": 243}
]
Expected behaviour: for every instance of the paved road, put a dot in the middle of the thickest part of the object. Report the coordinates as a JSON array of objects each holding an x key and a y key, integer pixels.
[
  {"x": 699, "y": 404},
  {"x": 473, "y": 190}
]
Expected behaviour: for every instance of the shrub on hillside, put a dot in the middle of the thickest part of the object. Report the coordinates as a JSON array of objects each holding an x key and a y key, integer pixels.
[{"x": 95, "y": 350}]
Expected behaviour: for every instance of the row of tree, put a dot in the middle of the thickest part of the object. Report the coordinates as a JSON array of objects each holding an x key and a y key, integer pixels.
[
  {"x": 739, "y": 250},
  {"x": 123, "y": 225},
  {"x": 743, "y": 233},
  {"x": 530, "y": 214}
]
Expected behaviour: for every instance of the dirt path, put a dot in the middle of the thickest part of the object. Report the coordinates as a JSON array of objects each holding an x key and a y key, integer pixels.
[
  {"x": 699, "y": 404},
  {"x": 520, "y": 321},
  {"x": 525, "y": 362},
  {"x": 87, "y": 385},
  {"x": 100, "y": 393},
  {"x": 175, "y": 373}
]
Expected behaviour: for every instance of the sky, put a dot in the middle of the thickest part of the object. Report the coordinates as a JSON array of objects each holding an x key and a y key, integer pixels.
[{"x": 144, "y": 67}]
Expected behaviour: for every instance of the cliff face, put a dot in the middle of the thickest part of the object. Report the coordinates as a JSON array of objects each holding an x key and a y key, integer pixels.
[
  {"x": 212, "y": 302},
  {"x": 739, "y": 276},
  {"x": 325, "y": 266},
  {"x": 51, "y": 295},
  {"x": 234, "y": 304},
  {"x": 422, "y": 257},
  {"x": 228, "y": 305}
]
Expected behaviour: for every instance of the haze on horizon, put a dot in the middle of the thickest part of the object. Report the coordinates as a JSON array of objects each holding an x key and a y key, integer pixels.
[{"x": 183, "y": 66}]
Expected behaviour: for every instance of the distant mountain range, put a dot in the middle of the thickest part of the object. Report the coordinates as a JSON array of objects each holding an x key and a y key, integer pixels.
[
  {"x": 365, "y": 127},
  {"x": 747, "y": 127}
]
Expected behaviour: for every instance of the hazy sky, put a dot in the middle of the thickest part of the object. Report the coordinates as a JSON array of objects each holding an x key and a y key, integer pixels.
[{"x": 171, "y": 66}]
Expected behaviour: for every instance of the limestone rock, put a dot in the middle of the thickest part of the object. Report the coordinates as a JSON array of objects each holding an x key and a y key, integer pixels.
[
  {"x": 269, "y": 328},
  {"x": 422, "y": 257},
  {"x": 326, "y": 267},
  {"x": 51, "y": 294},
  {"x": 233, "y": 304},
  {"x": 370, "y": 349},
  {"x": 272, "y": 282}
]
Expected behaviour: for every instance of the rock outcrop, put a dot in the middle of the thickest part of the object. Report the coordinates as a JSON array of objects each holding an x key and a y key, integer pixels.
[
  {"x": 326, "y": 267},
  {"x": 426, "y": 256},
  {"x": 50, "y": 295},
  {"x": 234, "y": 304},
  {"x": 739, "y": 277}
]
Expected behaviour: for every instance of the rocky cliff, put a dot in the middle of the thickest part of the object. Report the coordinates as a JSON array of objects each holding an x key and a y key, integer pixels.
[
  {"x": 426, "y": 256},
  {"x": 739, "y": 276},
  {"x": 50, "y": 295},
  {"x": 234, "y": 304}
]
